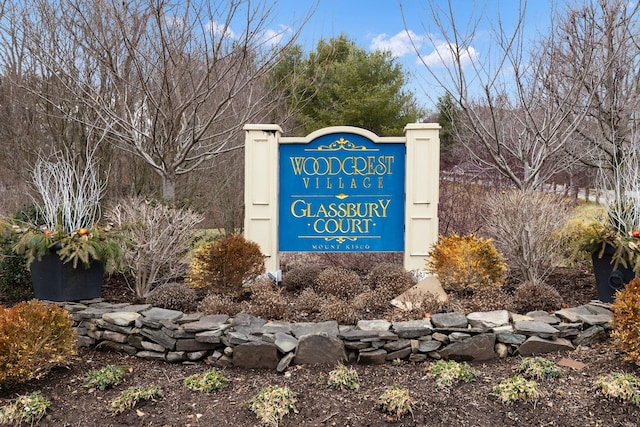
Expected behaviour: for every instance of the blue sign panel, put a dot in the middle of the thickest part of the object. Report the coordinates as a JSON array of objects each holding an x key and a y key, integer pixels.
[{"x": 342, "y": 193}]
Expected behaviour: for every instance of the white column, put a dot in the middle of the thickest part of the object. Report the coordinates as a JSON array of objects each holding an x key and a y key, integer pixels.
[
  {"x": 261, "y": 189},
  {"x": 422, "y": 181}
]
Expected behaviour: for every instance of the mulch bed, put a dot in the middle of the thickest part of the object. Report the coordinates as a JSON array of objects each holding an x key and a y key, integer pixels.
[{"x": 567, "y": 401}]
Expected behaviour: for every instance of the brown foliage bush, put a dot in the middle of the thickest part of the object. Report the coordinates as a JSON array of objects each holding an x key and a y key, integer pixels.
[
  {"x": 224, "y": 265},
  {"x": 174, "y": 296},
  {"x": 339, "y": 282},
  {"x": 532, "y": 296},
  {"x": 268, "y": 302},
  {"x": 34, "y": 337},
  {"x": 489, "y": 299},
  {"x": 340, "y": 310},
  {"x": 219, "y": 304},
  {"x": 301, "y": 277},
  {"x": 626, "y": 318},
  {"x": 389, "y": 279}
]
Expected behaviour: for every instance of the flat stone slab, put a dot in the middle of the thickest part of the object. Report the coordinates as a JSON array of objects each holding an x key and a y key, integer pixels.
[
  {"x": 537, "y": 345},
  {"x": 531, "y": 327},
  {"x": 285, "y": 342},
  {"x": 329, "y": 327},
  {"x": 412, "y": 298},
  {"x": 201, "y": 325},
  {"x": 373, "y": 325},
  {"x": 412, "y": 328},
  {"x": 488, "y": 319},
  {"x": 449, "y": 320},
  {"x": 121, "y": 318},
  {"x": 374, "y": 357},
  {"x": 156, "y": 313},
  {"x": 478, "y": 347}
]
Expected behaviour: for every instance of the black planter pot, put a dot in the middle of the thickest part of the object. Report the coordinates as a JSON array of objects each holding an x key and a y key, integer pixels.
[
  {"x": 608, "y": 279},
  {"x": 54, "y": 280}
]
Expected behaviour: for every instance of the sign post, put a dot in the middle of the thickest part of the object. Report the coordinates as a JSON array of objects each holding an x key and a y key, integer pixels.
[{"x": 342, "y": 189}]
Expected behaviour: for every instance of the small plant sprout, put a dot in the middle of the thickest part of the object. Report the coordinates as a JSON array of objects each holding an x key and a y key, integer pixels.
[
  {"x": 130, "y": 397},
  {"x": 447, "y": 372},
  {"x": 106, "y": 377},
  {"x": 210, "y": 381},
  {"x": 538, "y": 368},
  {"x": 516, "y": 388},
  {"x": 343, "y": 378},
  {"x": 272, "y": 404},
  {"x": 396, "y": 402},
  {"x": 623, "y": 387},
  {"x": 28, "y": 408}
]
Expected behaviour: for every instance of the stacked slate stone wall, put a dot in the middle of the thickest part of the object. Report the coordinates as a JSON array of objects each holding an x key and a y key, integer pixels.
[{"x": 249, "y": 342}]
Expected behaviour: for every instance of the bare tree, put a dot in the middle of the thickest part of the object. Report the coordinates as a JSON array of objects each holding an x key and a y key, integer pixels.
[
  {"x": 171, "y": 82},
  {"x": 608, "y": 31},
  {"x": 509, "y": 118}
]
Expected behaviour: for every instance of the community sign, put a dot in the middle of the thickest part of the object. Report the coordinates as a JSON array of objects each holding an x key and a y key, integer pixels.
[{"x": 341, "y": 192}]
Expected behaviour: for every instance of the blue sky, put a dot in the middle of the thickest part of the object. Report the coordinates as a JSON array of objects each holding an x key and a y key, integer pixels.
[{"x": 378, "y": 24}]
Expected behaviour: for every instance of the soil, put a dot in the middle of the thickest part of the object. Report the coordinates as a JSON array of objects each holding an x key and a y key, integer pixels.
[{"x": 567, "y": 401}]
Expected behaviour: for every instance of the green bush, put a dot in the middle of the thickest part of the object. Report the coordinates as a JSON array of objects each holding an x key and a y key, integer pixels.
[
  {"x": 29, "y": 409},
  {"x": 272, "y": 403},
  {"x": 344, "y": 378},
  {"x": 622, "y": 387},
  {"x": 447, "y": 372},
  {"x": 225, "y": 265},
  {"x": 396, "y": 402},
  {"x": 210, "y": 381},
  {"x": 130, "y": 397},
  {"x": 516, "y": 388},
  {"x": 34, "y": 337},
  {"x": 466, "y": 263},
  {"x": 15, "y": 279},
  {"x": 105, "y": 377},
  {"x": 538, "y": 368}
]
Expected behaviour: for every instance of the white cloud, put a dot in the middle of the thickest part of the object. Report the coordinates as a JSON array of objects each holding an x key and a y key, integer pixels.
[
  {"x": 274, "y": 37},
  {"x": 443, "y": 55},
  {"x": 220, "y": 30},
  {"x": 399, "y": 45}
]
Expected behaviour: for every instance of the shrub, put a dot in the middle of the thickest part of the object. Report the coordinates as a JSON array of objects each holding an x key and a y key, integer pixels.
[
  {"x": 516, "y": 388},
  {"x": 526, "y": 226},
  {"x": 623, "y": 387},
  {"x": 446, "y": 373},
  {"x": 489, "y": 299},
  {"x": 339, "y": 282},
  {"x": 29, "y": 408},
  {"x": 389, "y": 279},
  {"x": 130, "y": 397},
  {"x": 372, "y": 300},
  {"x": 309, "y": 301},
  {"x": 466, "y": 263},
  {"x": 224, "y": 265},
  {"x": 301, "y": 277},
  {"x": 531, "y": 296},
  {"x": 105, "y": 377},
  {"x": 396, "y": 402},
  {"x": 272, "y": 403},
  {"x": 343, "y": 378},
  {"x": 626, "y": 318},
  {"x": 34, "y": 337},
  {"x": 268, "y": 302},
  {"x": 538, "y": 368},
  {"x": 210, "y": 381},
  {"x": 174, "y": 296},
  {"x": 342, "y": 311},
  {"x": 218, "y": 304},
  {"x": 15, "y": 280},
  {"x": 157, "y": 238}
]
